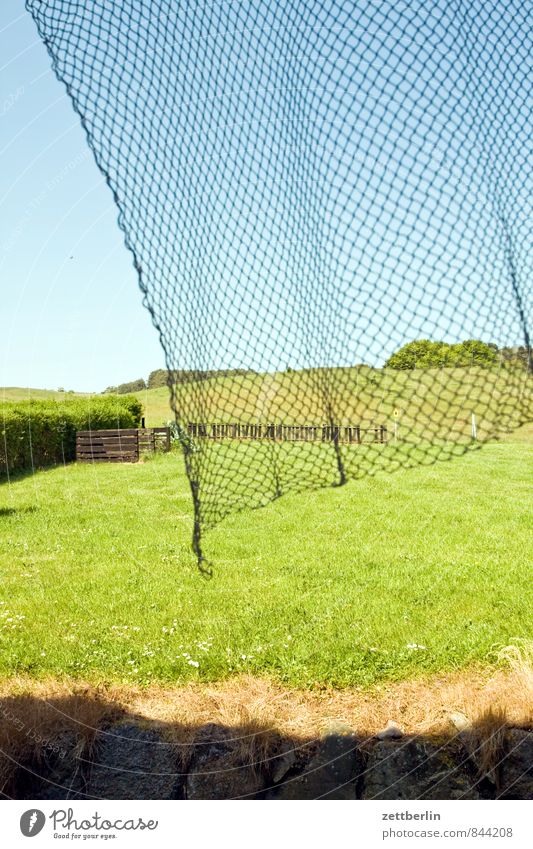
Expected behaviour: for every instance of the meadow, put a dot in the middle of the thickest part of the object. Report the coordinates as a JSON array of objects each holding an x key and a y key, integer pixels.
[{"x": 394, "y": 576}]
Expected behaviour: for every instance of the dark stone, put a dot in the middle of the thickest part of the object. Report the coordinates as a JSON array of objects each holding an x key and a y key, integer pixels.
[
  {"x": 218, "y": 770},
  {"x": 132, "y": 762},
  {"x": 516, "y": 767},
  {"x": 57, "y": 774},
  {"x": 416, "y": 769},
  {"x": 330, "y": 774}
]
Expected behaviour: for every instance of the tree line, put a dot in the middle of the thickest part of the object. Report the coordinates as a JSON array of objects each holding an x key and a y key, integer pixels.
[{"x": 164, "y": 377}]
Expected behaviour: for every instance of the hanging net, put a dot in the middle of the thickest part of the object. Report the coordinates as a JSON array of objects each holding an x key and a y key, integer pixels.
[{"x": 329, "y": 209}]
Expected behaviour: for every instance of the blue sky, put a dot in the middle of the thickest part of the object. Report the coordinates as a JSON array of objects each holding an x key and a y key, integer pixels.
[
  {"x": 400, "y": 142},
  {"x": 72, "y": 313}
]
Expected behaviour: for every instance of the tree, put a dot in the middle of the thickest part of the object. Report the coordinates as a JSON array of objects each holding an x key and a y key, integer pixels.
[
  {"x": 475, "y": 353},
  {"x": 424, "y": 353},
  {"x": 133, "y": 386},
  {"x": 126, "y": 388},
  {"x": 157, "y": 378}
]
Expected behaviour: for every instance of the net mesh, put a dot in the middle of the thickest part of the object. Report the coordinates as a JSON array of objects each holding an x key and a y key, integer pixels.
[{"x": 329, "y": 210}]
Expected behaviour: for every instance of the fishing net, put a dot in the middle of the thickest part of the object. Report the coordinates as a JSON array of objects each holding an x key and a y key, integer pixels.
[{"x": 329, "y": 209}]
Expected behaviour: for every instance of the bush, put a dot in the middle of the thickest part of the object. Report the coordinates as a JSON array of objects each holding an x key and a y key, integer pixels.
[
  {"x": 427, "y": 354},
  {"x": 42, "y": 433}
]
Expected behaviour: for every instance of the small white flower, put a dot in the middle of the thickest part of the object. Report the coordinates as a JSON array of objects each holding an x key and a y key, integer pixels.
[{"x": 193, "y": 663}]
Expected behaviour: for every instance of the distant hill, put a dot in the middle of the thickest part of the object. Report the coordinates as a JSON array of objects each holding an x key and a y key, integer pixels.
[{"x": 23, "y": 393}]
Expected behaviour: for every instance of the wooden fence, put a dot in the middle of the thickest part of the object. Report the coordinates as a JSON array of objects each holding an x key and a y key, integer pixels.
[
  {"x": 122, "y": 445},
  {"x": 349, "y": 434}
]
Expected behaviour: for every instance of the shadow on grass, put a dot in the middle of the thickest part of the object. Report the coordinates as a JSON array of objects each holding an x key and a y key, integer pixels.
[
  {"x": 86, "y": 746},
  {"x": 14, "y": 511},
  {"x": 20, "y": 474}
]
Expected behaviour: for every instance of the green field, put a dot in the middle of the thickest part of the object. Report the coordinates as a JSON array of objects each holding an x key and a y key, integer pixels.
[{"x": 391, "y": 576}]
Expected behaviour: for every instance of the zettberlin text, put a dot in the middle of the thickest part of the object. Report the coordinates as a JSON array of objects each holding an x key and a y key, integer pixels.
[{"x": 408, "y": 815}]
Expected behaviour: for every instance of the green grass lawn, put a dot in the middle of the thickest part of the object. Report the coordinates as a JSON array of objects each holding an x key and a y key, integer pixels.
[{"x": 392, "y": 576}]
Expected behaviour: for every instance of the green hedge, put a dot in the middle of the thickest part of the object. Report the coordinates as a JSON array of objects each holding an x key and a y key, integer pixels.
[{"x": 42, "y": 433}]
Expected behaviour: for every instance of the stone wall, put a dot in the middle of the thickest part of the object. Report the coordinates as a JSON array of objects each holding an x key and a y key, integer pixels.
[{"x": 135, "y": 759}]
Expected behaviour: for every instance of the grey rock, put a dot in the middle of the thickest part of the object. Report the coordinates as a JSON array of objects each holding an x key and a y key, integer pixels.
[
  {"x": 132, "y": 762},
  {"x": 460, "y": 721},
  {"x": 330, "y": 774},
  {"x": 516, "y": 768},
  {"x": 415, "y": 769},
  {"x": 282, "y": 765},
  {"x": 218, "y": 769},
  {"x": 392, "y": 731}
]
